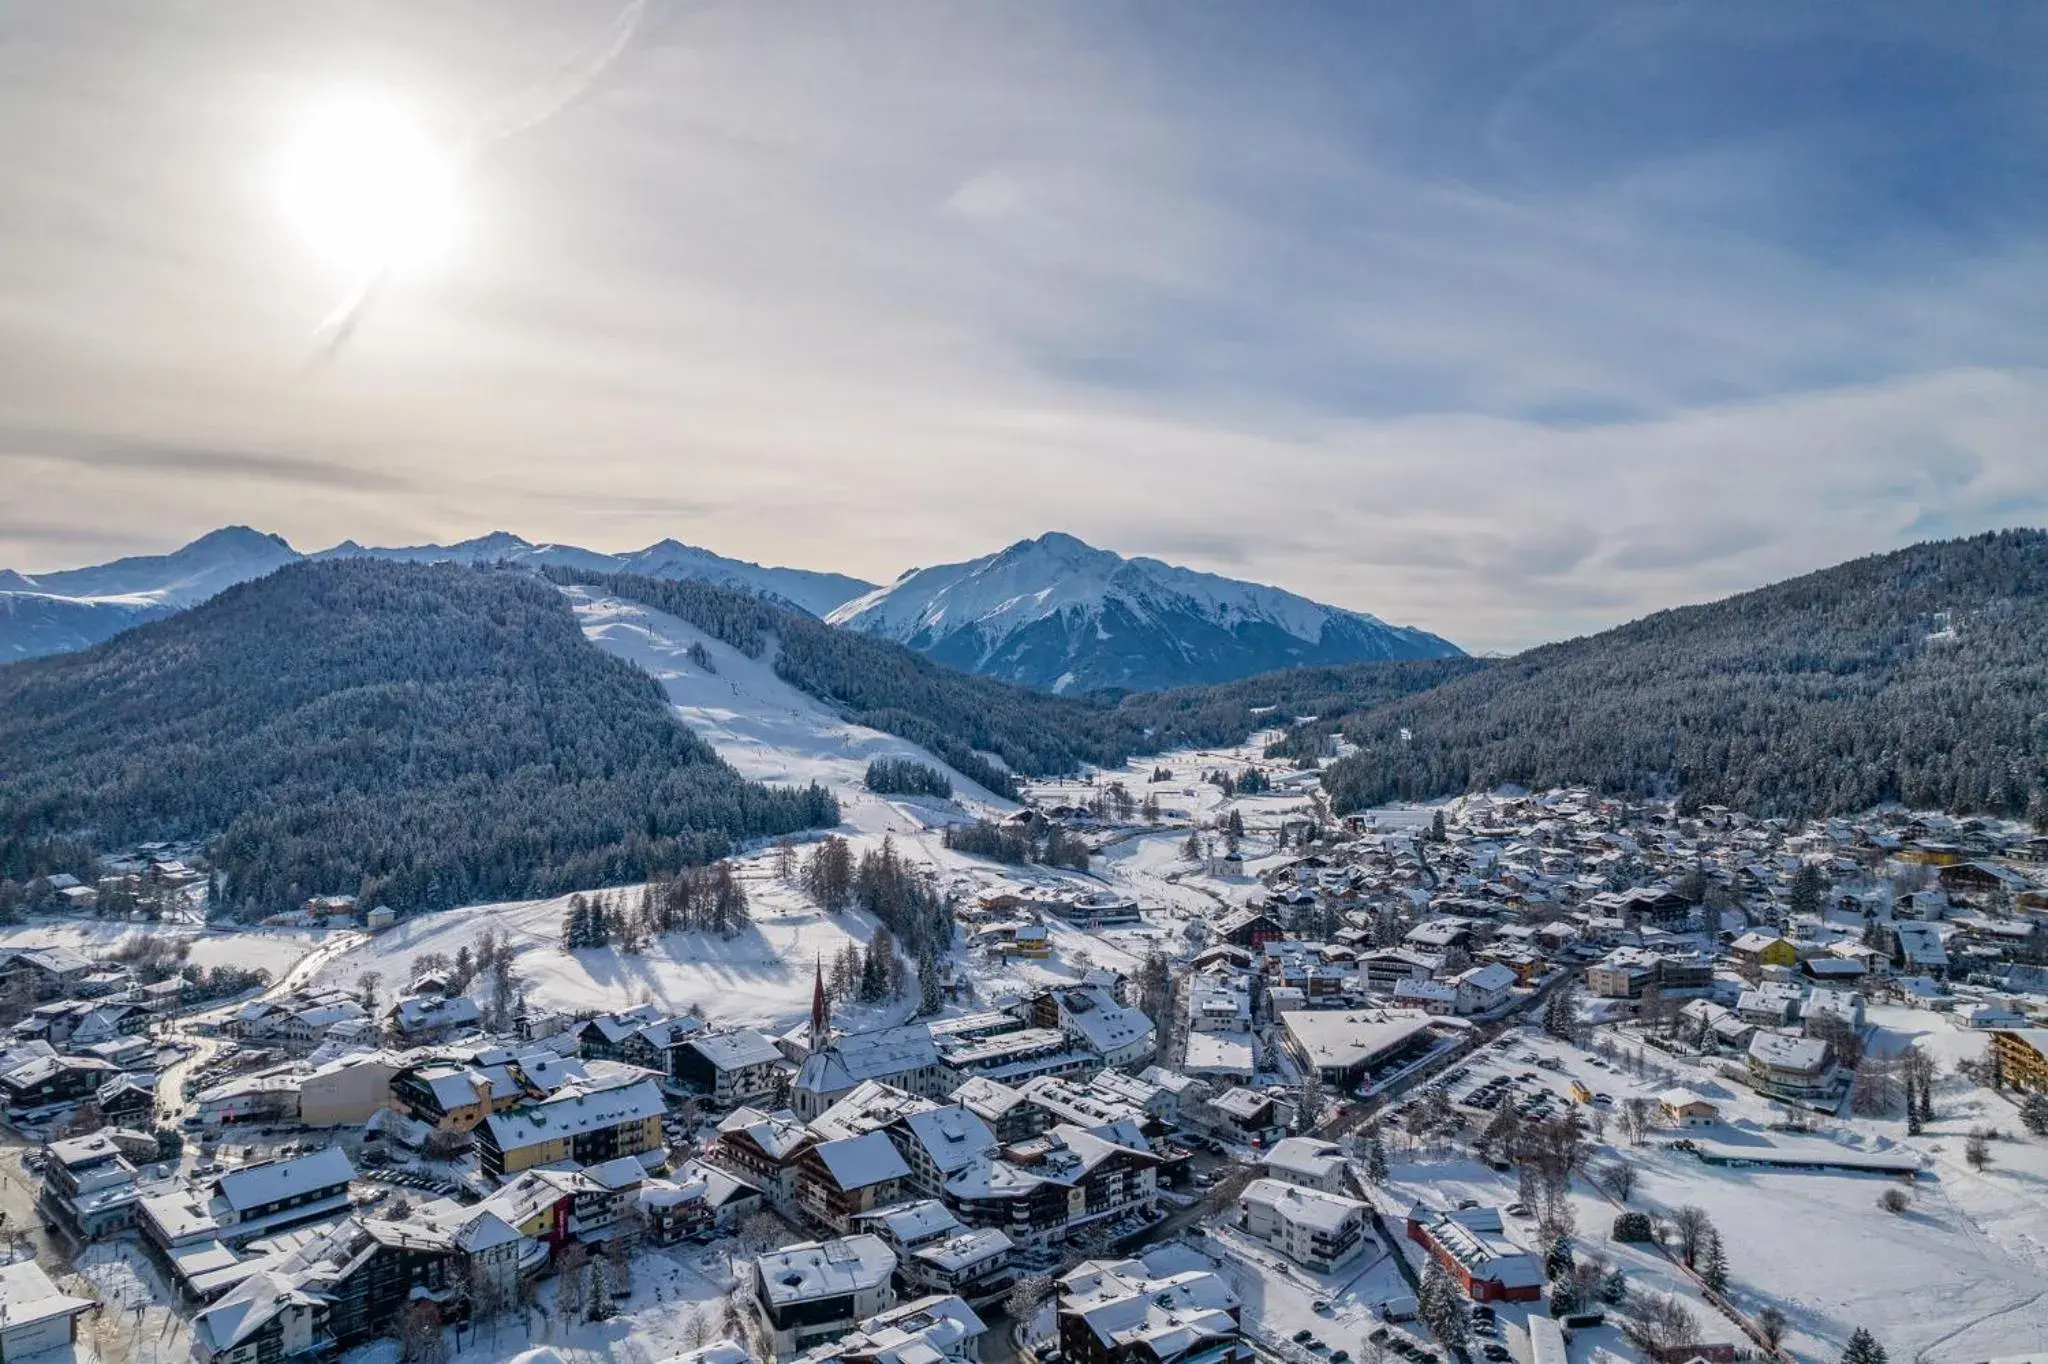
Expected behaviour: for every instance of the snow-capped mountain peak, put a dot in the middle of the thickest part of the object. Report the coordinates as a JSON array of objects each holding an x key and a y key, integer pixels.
[{"x": 1055, "y": 611}]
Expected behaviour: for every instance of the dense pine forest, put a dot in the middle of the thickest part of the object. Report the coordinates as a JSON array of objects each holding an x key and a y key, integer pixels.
[
  {"x": 1919, "y": 676},
  {"x": 1230, "y": 712},
  {"x": 424, "y": 735}
]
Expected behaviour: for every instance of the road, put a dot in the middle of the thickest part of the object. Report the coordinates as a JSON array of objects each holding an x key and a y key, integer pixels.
[{"x": 204, "y": 1047}]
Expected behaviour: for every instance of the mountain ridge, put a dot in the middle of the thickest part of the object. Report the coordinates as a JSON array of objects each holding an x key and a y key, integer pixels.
[
  {"x": 1058, "y": 613},
  {"x": 76, "y": 608}
]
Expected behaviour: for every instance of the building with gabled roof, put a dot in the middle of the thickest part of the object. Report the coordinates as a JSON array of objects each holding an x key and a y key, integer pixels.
[
  {"x": 1120, "y": 1312},
  {"x": 1472, "y": 1243},
  {"x": 585, "y": 1123},
  {"x": 1314, "y": 1228},
  {"x": 904, "y": 1057}
]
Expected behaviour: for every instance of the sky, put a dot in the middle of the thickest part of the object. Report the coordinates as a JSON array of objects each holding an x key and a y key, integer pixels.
[{"x": 1511, "y": 320}]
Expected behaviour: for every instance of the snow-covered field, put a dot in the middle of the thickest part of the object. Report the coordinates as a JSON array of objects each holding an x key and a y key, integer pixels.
[
  {"x": 761, "y": 977},
  {"x": 274, "y": 950},
  {"x": 1961, "y": 1276}
]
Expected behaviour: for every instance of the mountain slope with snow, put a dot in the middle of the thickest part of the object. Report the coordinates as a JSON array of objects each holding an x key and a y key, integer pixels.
[
  {"x": 52, "y": 613},
  {"x": 1057, "y": 613}
]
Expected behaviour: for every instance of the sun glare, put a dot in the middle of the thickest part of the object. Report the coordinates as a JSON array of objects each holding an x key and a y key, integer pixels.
[{"x": 367, "y": 185}]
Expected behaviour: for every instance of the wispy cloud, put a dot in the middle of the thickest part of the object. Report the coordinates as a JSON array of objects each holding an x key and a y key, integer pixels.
[{"x": 22, "y": 445}]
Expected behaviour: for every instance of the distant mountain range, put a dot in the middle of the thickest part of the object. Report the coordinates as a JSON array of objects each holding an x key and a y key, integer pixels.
[
  {"x": 1051, "y": 613},
  {"x": 1060, "y": 614},
  {"x": 76, "y": 608},
  {"x": 814, "y": 593}
]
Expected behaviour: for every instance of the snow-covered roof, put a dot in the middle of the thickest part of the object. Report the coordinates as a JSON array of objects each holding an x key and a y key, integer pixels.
[
  {"x": 951, "y": 1136},
  {"x": 1347, "y": 1038},
  {"x": 735, "y": 1050},
  {"x": 858, "y": 1162},
  {"x": 574, "y": 1111},
  {"x": 823, "y": 1269},
  {"x": 1124, "y": 1304},
  {"x": 27, "y": 1296},
  {"x": 256, "y": 1186},
  {"x": 965, "y": 1249},
  {"x": 846, "y": 1061},
  {"x": 1306, "y": 1156},
  {"x": 1312, "y": 1208},
  {"x": 1782, "y": 1051},
  {"x": 778, "y": 1134}
]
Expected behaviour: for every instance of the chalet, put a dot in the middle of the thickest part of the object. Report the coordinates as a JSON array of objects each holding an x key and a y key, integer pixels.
[
  {"x": 449, "y": 1098},
  {"x": 1683, "y": 1108},
  {"x": 1041, "y": 1189},
  {"x": 44, "y": 1081},
  {"x": 836, "y": 1181},
  {"x": 1763, "y": 949},
  {"x": 1248, "y": 1117},
  {"x": 584, "y": 1122},
  {"x": 429, "y": 1015},
  {"x": 764, "y": 1149},
  {"x": 1119, "y": 1312},
  {"x": 1306, "y": 1161},
  {"x": 937, "y": 1253},
  {"x": 1249, "y": 928},
  {"x": 1783, "y": 1066},
  {"x": 734, "y": 1066},
  {"x": 1318, "y": 1230}
]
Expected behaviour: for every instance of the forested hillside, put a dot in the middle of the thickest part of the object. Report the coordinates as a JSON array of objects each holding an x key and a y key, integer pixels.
[
  {"x": 1229, "y": 712},
  {"x": 1919, "y": 676},
  {"x": 430, "y": 735}
]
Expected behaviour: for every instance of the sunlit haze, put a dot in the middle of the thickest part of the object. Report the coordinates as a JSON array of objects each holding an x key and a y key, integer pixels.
[
  {"x": 366, "y": 185},
  {"x": 1508, "y": 322}
]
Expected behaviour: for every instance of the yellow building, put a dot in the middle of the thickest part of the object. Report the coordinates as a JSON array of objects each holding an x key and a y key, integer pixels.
[
  {"x": 1763, "y": 949},
  {"x": 581, "y": 1123},
  {"x": 2023, "y": 1055}
]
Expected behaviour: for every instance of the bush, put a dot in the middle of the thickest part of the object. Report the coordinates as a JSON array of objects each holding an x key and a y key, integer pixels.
[
  {"x": 1634, "y": 1226},
  {"x": 1894, "y": 1201}
]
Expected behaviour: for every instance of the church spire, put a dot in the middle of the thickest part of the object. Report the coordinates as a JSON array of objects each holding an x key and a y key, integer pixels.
[{"x": 821, "y": 1012}]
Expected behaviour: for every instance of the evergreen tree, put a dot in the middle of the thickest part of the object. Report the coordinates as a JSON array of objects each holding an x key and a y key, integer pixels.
[
  {"x": 2034, "y": 1114},
  {"x": 1376, "y": 1161},
  {"x": 1438, "y": 1307},
  {"x": 931, "y": 995},
  {"x": 1557, "y": 1258},
  {"x": 1714, "y": 1263},
  {"x": 1864, "y": 1349},
  {"x": 1806, "y": 887}
]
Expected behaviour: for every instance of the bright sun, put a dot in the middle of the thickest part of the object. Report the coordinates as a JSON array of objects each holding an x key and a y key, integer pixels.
[{"x": 367, "y": 186}]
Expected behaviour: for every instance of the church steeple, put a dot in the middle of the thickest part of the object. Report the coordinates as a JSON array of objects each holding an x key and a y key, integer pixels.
[{"x": 821, "y": 1012}]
